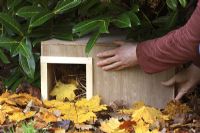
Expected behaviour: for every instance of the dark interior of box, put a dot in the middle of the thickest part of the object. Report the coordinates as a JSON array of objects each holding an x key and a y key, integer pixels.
[{"x": 68, "y": 73}]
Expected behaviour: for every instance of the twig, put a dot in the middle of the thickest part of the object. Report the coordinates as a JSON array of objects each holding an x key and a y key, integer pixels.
[{"x": 83, "y": 94}]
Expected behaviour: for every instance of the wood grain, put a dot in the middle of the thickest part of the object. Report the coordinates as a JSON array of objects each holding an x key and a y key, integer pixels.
[{"x": 129, "y": 85}]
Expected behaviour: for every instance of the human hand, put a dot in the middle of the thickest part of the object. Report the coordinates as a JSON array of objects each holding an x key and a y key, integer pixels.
[
  {"x": 185, "y": 80},
  {"x": 119, "y": 58}
]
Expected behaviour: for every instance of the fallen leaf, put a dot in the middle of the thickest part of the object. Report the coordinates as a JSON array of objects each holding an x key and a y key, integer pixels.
[
  {"x": 62, "y": 91},
  {"x": 40, "y": 124},
  {"x": 112, "y": 126},
  {"x": 79, "y": 116},
  {"x": 8, "y": 109},
  {"x": 2, "y": 117},
  {"x": 143, "y": 127},
  {"x": 19, "y": 116},
  {"x": 53, "y": 103},
  {"x": 148, "y": 114},
  {"x": 59, "y": 130},
  {"x": 128, "y": 125},
  {"x": 174, "y": 108},
  {"x": 91, "y": 105},
  {"x": 47, "y": 116}
]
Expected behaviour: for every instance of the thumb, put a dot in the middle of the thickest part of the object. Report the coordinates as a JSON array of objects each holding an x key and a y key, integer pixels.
[
  {"x": 169, "y": 82},
  {"x": 119, "y": 43}
]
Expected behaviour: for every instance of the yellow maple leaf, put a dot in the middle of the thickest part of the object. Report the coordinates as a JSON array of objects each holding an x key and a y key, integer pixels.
[
  {"x": 62, "y": 91},
  {"x": 83, "y": 110},
  {"x": 2, "y": 117},
  {"x": 78, "y": 112},
  {"x": 79, "y": 117},
  {"x": 112, "y": 126},
  {"x": 92, "y": 104},
  {"x": 142, "y": 127},
  {"x": 19, "y": 116},
  {"x": 148, "y": 114},
  {"x": 53, "y": 103}
]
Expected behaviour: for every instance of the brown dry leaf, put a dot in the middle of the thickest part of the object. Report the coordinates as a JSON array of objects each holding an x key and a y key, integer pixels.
[
  {"x": 128, "y": 125},
  {"x": 40, "y": 124},
  {"x": 62, "y": 91},
  {"x": 2, "y": 117},
  {"x": 112, "y": 126},
  {"x": 35, "y": 100},
  {"x": 4, "y": 98},
  {"x": 18, "y": 99},
  {"x": 47, "y": 116},
  {"x": 5, "y": 94},
  {"x": 174, "y": 108},
  {"x": 19, "y": 116}
]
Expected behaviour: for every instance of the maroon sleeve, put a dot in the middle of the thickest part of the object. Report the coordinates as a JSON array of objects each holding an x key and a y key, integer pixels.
[
  {"x": 175, "y": 48},
  {"x": 196, "y": 61}
]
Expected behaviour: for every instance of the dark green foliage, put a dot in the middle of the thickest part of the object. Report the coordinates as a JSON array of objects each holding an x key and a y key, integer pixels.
[{"x": 25, "y": 23}]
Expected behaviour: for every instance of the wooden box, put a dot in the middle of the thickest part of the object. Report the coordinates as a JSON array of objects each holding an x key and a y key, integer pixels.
[{"x": 129, "y": 85}]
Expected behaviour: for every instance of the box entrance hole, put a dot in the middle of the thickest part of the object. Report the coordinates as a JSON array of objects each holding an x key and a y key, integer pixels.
[{"x": 67, "y": 74}]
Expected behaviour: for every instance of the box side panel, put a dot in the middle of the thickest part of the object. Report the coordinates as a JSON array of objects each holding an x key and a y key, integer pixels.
[{"x": 130, "y": 85}]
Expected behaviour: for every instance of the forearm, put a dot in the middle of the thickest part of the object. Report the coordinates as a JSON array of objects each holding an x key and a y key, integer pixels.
[{"x": 177, "y": 47}]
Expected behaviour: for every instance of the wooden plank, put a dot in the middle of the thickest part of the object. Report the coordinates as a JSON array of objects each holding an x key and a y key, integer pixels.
[
  {"x": 48, "y": 73},
  {"x": 130, "y": 85},
  {"x": 65, "y": 60},
  {"x": 89, "y": 79},
  {"x": 44, "y": 83}
]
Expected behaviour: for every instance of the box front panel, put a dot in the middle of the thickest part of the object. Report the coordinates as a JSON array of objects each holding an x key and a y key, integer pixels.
[{"x": 129, "y": 85}]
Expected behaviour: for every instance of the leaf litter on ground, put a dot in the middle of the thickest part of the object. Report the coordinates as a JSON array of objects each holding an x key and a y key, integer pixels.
[{"x": 91, "y": 116}]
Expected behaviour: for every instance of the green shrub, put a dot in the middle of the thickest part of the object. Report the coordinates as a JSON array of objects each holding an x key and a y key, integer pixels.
[{"x": 25, "y": 23}]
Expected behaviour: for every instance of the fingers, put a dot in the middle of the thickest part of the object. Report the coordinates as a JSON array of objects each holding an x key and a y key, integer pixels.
[
  {"x": 119, "y": 43},
  {"x": 184, "y": 89},
  {"x": 105, "y": 54},
  {"x": 169, "y": 82},
  {"x": 107, "y": 61},
  {"x": 111, "y": 66}
]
